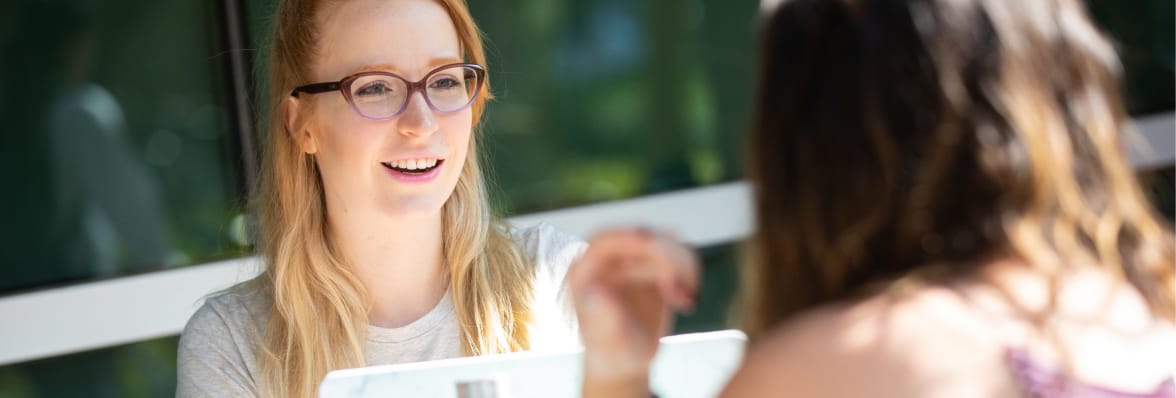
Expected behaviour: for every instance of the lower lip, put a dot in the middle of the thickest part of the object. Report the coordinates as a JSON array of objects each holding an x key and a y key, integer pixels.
[{"x": 415, "y": 177}]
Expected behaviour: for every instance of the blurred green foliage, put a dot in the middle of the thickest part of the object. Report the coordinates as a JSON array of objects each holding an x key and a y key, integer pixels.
[
  {"x": 611, "y": 99},
  {"x": 118, "y": 157},
  {"x": 141, "y": 369},
  {"x": 1142, "y": 31}
]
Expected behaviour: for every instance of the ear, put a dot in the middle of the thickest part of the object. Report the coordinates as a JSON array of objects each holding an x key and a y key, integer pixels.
[{"x": 296, "y": 117}]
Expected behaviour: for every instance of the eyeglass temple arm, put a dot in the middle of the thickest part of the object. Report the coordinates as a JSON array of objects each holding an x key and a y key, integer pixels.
[{"x": 315, "y": 88}]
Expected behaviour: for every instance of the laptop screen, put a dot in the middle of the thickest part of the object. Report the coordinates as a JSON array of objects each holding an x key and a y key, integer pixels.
[{"x": 686, "y": 366}]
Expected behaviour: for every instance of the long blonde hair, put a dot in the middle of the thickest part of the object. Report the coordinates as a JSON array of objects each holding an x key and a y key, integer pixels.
[
  {"x": 904, "y": 139},
  {"x": 319, "y": 315}
]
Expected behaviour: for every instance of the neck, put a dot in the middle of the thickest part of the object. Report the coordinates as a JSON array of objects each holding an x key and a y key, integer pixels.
[{"x": 399, "y": 261}]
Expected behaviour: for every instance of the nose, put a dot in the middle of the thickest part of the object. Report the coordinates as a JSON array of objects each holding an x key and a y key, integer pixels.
[{"x": 418, "y": 119}]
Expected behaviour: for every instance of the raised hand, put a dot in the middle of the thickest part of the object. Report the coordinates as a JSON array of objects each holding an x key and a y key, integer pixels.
[{"x": 625, "y": 287}]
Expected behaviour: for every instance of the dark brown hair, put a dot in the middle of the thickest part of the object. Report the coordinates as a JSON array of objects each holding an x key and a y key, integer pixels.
[{"x": 896, "y": 137}]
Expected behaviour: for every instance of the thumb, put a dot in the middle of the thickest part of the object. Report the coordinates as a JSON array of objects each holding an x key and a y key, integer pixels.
[
  {"x": 613, "y": 348},
  {"x": 601, "y": 319}
]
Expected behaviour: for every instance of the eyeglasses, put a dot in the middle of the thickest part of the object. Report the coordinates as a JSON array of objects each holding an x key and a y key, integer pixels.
[{"x": 383, "y": 95}]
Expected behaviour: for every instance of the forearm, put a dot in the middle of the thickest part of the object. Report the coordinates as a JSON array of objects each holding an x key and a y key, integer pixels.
[{"x": 595, "y": 387}]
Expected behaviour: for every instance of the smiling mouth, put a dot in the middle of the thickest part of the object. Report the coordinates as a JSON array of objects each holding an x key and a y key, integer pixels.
[{"x": 413, "y": 166}]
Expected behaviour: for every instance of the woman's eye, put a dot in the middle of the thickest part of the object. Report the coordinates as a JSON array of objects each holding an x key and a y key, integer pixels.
[
  {"x": 447, "y": 82},
  {"x": 377, "y": 88}
]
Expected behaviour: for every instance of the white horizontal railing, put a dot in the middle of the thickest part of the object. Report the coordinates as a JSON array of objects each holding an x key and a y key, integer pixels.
[
  {"x": 106, "y": 313},
  {"x": 1155, "y": 145},
  {"x": 128, "y": 309},
  {"x": 110, "y": 312}
]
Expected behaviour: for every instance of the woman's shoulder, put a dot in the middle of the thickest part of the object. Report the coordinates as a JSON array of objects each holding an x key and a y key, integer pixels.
[
  {"x": 961, "y": 336},
  {"x": 552, "y": 252},
  {"x": 245, "y": 305},
  {"x": 550, "y": 249},
  {"x": 237, "y": 313},
  {"x": 218, "y": 347},
  {"x": 889, "y": 345}
]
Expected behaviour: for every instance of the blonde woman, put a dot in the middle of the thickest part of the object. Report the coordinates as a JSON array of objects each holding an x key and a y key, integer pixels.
[
  {"x": 375, "y": 229},
  {"x": 944, "y": 209}
]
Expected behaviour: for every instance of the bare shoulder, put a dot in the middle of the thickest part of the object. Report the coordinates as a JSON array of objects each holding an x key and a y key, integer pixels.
[
  {"x": 881, "y": 347},
  {"x": 796, "y": 359}
]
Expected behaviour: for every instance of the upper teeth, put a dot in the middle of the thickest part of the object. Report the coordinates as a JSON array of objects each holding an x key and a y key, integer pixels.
[{"x": 413, "y": 164}]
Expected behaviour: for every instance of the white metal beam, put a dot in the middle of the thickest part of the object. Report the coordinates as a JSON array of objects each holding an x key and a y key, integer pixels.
[
  {"x": 118, "y": 311},
  {"x": 111, "y": 312},
  {"x": 1157, "y": 145}
]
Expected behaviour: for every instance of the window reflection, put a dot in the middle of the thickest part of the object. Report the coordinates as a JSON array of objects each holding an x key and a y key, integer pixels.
[
  {"x": 118, "y": 157},
  {"x": 610, "y": 99},
  {"x": 1142, "y": 33},
  {"x": 142, "y": 369}
]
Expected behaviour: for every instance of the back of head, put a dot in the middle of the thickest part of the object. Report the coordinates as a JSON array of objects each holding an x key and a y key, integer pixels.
[{"x": 896, "y": 138}]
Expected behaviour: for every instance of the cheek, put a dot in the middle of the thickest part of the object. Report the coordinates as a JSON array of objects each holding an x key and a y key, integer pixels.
[
  {"x": 457, "y": 138},
  {"x": 458, "y": 132},
  {"x": 342, "y": 136}
]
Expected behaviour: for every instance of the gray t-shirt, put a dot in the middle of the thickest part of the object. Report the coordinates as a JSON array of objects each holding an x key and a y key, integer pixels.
[{"x": 218, "y": 348}]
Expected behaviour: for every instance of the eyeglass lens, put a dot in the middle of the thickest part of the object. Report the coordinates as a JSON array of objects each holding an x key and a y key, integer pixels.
[{"x": 381, "y": 96}]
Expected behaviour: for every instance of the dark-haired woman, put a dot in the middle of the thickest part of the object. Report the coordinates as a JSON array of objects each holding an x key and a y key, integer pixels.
[{"x": 944, "y": 209}]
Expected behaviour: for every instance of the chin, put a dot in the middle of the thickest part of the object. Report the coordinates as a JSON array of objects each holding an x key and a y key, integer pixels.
[{"x": 413, "y": 207}]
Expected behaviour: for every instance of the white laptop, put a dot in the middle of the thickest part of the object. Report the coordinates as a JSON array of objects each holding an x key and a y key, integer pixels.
[{"x": 686, "y": 366}]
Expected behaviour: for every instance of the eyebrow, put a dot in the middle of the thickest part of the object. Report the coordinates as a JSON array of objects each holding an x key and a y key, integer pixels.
[{"x": 433, "y": 63}]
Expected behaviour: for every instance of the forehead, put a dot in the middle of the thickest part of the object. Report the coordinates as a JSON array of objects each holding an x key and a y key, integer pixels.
[{"x": 408, "y": 37}]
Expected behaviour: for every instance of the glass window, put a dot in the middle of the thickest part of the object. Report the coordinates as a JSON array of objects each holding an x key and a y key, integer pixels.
[
  {"x": 1142, "y": 33},
  {"x": 720, "y": 274},
  {"x": 608, "y": 99},
  {"x": 118, "y": 157},
  {"x": 142, "y": 369}
]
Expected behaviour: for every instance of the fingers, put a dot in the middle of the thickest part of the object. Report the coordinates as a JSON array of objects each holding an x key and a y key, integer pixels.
[
  {"x": 681, "y": 261},
  {"x": 638, "y": 256},
  {"x": 623, "y": 287},
  {"x": 600, "y": 310},
  {"x": 615, "y": 349}
]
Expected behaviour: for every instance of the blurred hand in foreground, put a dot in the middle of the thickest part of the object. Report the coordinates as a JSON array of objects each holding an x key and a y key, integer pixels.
[{"x": 625, "y": 288}]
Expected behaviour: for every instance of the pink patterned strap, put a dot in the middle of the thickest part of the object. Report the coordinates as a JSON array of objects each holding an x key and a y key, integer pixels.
[{"x": 1041, "y": 382}]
